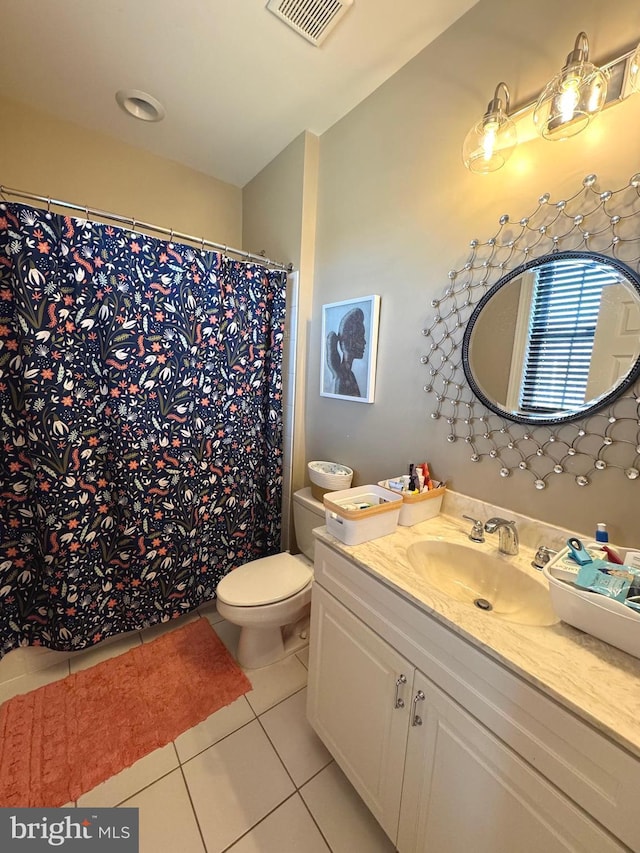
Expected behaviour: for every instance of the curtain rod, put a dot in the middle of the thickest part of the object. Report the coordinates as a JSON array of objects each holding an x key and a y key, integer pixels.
[{"x": 136, "y": 224}]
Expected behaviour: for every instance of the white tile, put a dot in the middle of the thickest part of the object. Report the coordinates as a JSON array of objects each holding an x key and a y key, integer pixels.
[
  {"x": 13, "y": 665},
  {"x": 32, "y": 680},
  {"x": 133, "y": 779},
  {"x": 167, "y": 821},
  {"x": 37, "y": 658},
  {"x": 272, "y": 684},
  {"x": 104, "y": 651},
  {"x": 220, "y": 724},
  {"x": 287, "y": 414},
  {"x": 301, "y": 750},
  {"x": 289, "y": 829},
  {"x": 149, "y": 634},
  {"x": 234, "y": 784},
  {"x": 303, "y": 656},
  {"x": 343, "y": 818}
]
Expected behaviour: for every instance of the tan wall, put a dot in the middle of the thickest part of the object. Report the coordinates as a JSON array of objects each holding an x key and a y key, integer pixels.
[
  {"x": 279, "y": 217},
  {"x": 492, "y": 342},
  {"x": 272, "y": 206},
  {"x": 397, "y": 210},
  {"x": 54, "y": 158}
]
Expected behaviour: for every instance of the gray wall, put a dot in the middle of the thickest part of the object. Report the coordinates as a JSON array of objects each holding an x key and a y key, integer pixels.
[{"x": 396, "y": 212}]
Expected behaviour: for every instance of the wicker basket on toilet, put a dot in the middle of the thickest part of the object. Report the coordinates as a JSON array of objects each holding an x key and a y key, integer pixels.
[{"x": 328, "y": 477}]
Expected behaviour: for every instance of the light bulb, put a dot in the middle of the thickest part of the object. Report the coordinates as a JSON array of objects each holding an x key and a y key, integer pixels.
[
  {"x": 569, "y": 99},
  {"x": 490, "y": 142},
  {"x": 573, "y": 97}
]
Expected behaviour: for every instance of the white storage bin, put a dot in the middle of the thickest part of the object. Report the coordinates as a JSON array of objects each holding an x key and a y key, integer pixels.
[
  {"x": 363, "y": 513},
  {"x": 595, "y": 614},
  {"x": 417, "y": 508}
]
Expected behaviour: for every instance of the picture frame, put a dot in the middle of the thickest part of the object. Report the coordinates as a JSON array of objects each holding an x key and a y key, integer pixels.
[{"x": 349, "y": 349}]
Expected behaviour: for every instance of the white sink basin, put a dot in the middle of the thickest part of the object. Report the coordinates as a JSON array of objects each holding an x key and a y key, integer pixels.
[{"x": 489, "y": 583}]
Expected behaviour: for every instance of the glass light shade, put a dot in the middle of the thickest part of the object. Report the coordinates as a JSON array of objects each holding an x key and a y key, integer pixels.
[
  {"x": 634, "y": 70},
  {"x": 489, "y": 143},
  {"x": 574, "y": 96}
]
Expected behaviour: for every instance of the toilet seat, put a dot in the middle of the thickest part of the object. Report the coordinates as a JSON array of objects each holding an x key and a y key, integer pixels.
[{"x": 264, "y": 581}]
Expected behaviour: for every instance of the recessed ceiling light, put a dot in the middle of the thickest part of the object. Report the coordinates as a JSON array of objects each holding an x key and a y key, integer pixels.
[{"x": 140, "y": 105}]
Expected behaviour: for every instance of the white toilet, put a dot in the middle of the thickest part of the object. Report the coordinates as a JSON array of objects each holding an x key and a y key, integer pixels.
[{"x": 270, "y": 598}]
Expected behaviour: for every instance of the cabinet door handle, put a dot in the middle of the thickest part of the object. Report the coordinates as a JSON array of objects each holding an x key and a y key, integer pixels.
[
  {"x": 399, "y": 703},
  {"x": 419, "y": 697}
]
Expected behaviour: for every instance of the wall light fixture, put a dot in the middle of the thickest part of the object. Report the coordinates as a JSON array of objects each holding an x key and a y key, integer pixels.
[
  {"x": 573, "y": 97},
  {"x": 490, "y": 142},
  {"x": 564, "y": 108}
]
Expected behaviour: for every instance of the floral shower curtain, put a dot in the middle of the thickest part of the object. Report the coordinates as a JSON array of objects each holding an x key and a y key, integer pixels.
[{"x": 140, "y": 406}]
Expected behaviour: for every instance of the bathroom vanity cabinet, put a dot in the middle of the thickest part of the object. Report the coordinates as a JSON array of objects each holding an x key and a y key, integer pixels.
[{"x": 449, "y": 749}]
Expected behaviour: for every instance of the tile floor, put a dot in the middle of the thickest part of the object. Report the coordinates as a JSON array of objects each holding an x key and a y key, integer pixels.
[{"x": 252, "y": 778}]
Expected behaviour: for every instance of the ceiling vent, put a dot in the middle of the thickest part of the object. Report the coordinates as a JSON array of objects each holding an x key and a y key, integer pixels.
[{"x": 312, "y": 19}]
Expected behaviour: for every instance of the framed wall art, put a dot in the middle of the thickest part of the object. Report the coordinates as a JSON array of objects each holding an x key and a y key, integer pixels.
[{"x": 349, "y": 348}]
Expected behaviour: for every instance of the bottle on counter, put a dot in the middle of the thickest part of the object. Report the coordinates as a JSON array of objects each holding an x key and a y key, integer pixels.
[
  {"x": 413, "y": 480},
  {"x": 427, "y": 476}
]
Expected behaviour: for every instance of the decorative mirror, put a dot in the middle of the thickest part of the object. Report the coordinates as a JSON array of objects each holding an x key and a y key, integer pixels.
[
  {"x": 489, "y": 336},
  {"x": 555, "y": 339}
]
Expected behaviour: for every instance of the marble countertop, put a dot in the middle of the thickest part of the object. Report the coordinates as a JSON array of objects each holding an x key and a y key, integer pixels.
[{"x": 596, "y": 681}]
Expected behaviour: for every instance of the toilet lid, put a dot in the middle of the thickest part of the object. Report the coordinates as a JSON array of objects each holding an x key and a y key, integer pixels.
[{"x": 264, "y": 581}]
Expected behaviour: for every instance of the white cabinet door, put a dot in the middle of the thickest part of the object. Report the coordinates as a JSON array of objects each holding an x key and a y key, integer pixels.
[
  {"x": 358, "y": 697},
  {"x": 465, "y": 790}
]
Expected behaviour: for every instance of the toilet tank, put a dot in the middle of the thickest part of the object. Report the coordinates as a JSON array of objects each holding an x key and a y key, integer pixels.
[{"x": 307, "y": 514}]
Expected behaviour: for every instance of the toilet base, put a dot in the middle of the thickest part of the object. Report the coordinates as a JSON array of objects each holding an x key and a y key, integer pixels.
[{"x": 258, "y": 646}]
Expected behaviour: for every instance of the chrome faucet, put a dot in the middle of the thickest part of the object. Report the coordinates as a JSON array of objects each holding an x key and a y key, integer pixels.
[{"x": 507, "y": 533}]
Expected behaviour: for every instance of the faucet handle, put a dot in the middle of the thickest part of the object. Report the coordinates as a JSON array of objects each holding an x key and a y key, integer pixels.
[
  {"x": 542, "y": 557},
  {"x": 477, "y": 531}
]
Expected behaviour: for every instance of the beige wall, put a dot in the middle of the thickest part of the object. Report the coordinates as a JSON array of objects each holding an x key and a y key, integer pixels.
[
  {"x": 53, "y": 158},
  {"x": 490, "y": 355},
  {"x": 272, "y": 206},
  {"x": 397, "y": 210},
  {"x": 279, "y": 217}
]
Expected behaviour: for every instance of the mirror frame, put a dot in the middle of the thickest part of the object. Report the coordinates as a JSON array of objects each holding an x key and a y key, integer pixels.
[{"x": 563, "y": 417}]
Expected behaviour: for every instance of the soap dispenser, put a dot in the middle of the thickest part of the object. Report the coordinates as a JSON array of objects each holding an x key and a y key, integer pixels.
[{"x": 601, "y": 532}]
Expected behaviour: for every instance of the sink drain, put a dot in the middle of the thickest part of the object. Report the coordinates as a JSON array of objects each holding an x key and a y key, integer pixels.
[{"x": 483, "y": 604}]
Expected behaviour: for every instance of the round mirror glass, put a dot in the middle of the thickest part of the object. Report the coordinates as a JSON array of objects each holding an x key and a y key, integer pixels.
[{"x": 555, "y": 339}]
